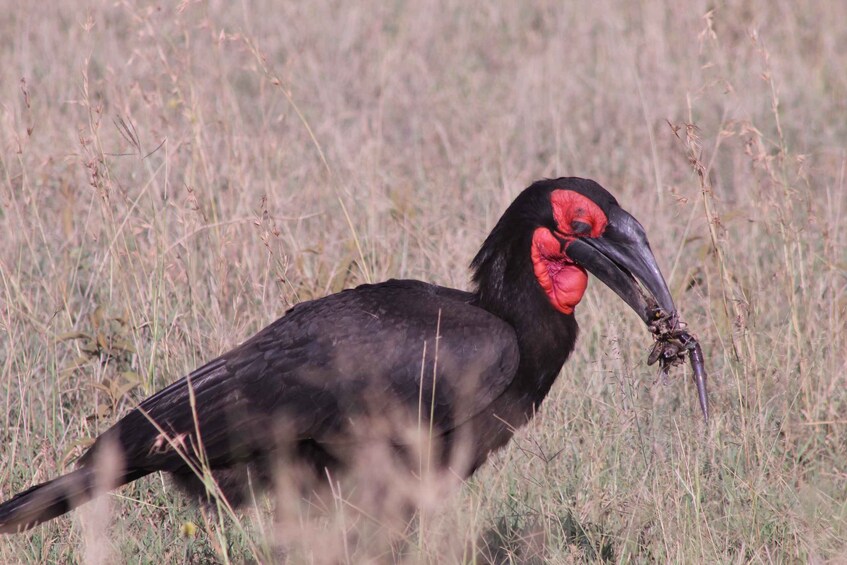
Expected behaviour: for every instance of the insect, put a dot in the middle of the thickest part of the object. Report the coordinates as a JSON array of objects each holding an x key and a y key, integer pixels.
[{"x": 673, "y": 343}]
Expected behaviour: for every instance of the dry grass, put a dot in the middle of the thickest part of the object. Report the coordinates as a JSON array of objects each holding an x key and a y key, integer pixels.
[{"x": 172, "y": 179}]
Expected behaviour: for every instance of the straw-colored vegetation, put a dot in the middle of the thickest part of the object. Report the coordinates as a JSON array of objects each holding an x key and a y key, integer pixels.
[{"x": 173, "y": 178}]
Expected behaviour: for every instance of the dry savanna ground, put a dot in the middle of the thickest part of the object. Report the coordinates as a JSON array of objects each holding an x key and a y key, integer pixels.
[{"x": 174, "y": 177}]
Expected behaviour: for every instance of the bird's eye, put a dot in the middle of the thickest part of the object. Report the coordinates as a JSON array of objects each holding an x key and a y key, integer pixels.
[{"x": 580, "y": 228}]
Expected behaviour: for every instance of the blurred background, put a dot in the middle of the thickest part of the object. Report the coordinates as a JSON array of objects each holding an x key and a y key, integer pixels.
[{"x": 174, "y": 177}]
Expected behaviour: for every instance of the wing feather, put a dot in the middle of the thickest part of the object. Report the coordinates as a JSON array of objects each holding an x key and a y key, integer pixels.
[{"x": 399, "y": 346}]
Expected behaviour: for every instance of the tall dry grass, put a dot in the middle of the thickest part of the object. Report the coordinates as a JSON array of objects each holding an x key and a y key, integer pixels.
[{"x": 175, "y": 177}]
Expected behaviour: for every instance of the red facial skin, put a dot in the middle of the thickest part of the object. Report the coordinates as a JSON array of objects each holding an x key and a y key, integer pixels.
[{"x": 563, "y": 281}]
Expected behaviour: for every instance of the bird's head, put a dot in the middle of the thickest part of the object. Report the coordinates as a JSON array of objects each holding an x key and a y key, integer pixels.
[
  {"x": 575, "y": 226},
  {"x": 537, "y": 258},
  {"x": 586, "y": 230}
]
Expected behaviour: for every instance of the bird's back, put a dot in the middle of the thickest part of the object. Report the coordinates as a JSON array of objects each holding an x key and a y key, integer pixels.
[{"x": 323, "y": 372}]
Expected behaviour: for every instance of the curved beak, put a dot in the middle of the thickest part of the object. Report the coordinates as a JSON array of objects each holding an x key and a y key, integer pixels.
[{"x": 622, "y": 259}]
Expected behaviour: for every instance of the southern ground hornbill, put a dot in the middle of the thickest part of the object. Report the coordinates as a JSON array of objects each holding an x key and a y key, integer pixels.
[{"x": 473, "y": 365}]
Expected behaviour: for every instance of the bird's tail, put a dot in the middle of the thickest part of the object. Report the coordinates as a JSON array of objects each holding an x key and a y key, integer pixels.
[{"x": 46, "y": 501}]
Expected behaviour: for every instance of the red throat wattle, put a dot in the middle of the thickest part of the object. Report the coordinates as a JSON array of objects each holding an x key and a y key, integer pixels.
[{"x": 563, "y": 281}]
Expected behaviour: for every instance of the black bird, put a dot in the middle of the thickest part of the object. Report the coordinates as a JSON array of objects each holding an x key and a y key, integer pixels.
[{"x": 314, "y": 380}]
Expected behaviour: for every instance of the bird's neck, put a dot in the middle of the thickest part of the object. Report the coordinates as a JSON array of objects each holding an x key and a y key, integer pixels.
[{"x": 507, "y": 287}]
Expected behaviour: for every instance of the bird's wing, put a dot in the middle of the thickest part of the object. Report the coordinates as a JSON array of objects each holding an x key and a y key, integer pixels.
[{"x": 400, "y": 349}]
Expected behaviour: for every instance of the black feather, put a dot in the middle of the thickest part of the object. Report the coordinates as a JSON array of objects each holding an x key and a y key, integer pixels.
[{"x": 480, "y": 363}]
